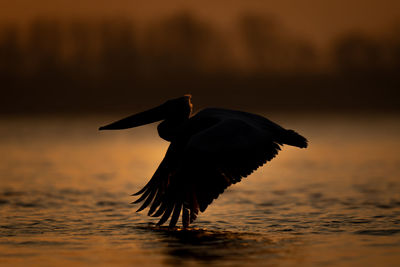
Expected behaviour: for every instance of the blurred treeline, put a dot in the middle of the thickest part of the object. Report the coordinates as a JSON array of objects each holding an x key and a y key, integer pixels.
[{"x": 116, "y": 66}]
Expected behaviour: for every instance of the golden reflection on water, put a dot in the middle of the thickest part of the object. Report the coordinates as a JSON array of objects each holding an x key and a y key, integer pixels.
[{"x": 64, "y": 199}]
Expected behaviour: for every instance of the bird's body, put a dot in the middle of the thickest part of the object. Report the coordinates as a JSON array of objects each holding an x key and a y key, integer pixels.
[{"x": 208, "y": 152}]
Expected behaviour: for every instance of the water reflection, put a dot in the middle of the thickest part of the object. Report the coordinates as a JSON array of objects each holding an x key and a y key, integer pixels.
[{"x": 206, "y": 246}]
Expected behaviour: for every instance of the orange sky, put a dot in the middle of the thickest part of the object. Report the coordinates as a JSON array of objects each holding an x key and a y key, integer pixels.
[{"x": 318, "y": 20}]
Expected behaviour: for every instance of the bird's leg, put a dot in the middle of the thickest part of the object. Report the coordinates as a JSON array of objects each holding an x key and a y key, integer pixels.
[{"x": 185, "y": 215}]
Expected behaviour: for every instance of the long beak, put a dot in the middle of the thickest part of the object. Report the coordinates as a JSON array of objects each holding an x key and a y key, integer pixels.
[{"x": 142, "y": 118}]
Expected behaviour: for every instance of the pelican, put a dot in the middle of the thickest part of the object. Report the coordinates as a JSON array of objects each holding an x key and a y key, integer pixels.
[{"x": 208, "y": 152}]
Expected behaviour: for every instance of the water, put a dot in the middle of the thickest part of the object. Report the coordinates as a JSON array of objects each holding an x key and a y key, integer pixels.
[{"x": 64, "y": 199}]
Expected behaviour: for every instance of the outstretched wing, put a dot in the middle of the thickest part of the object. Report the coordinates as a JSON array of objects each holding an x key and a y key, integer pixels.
[
  {"x": 222, "y": 155},
  {"x": 209, "y": 161}
]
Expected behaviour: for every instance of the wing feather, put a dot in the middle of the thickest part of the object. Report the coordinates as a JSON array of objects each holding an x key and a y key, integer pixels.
[
  {"x": 148, "y": 199},
  {"x": 167, "y": 212},
  {"x": 175, "y": 214}
]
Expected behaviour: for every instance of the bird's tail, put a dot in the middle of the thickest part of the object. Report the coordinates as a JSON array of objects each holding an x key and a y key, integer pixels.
[{"x": 292, "y": 138}]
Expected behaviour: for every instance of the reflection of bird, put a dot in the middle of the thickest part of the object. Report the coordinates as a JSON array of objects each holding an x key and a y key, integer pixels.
[{"x": 208, "y": 152}]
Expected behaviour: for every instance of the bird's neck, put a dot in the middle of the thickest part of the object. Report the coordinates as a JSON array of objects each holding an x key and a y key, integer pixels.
[{"x": 170, "y": 129}]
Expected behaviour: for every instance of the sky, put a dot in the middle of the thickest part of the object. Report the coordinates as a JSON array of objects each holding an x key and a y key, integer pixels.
[{"x": 317, "y": 20}]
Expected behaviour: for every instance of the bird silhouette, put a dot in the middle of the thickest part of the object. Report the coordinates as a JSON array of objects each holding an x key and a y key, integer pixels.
[{"x": 209, "y": 151}]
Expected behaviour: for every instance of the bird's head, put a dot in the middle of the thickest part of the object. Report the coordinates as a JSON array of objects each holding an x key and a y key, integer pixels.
[{"x": 177, "y": 109}]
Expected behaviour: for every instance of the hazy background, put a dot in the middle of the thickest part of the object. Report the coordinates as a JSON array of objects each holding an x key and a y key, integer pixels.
[
  {"x": 328, "y": 69},
  {"x": 94, "y": 56}
]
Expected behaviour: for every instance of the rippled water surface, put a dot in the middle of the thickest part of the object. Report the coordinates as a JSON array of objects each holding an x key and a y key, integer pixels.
[{"x": 65, "y": 193}]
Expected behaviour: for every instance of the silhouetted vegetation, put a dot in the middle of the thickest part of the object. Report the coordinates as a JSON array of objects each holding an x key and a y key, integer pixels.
[
  {"x": 357, "y": 52},
  {"x": 89, "y": 66},
  {"x": 269, "y": 50}
]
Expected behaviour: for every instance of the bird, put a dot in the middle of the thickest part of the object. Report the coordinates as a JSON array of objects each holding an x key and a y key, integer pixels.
[{"x": 208, "y": 152}]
